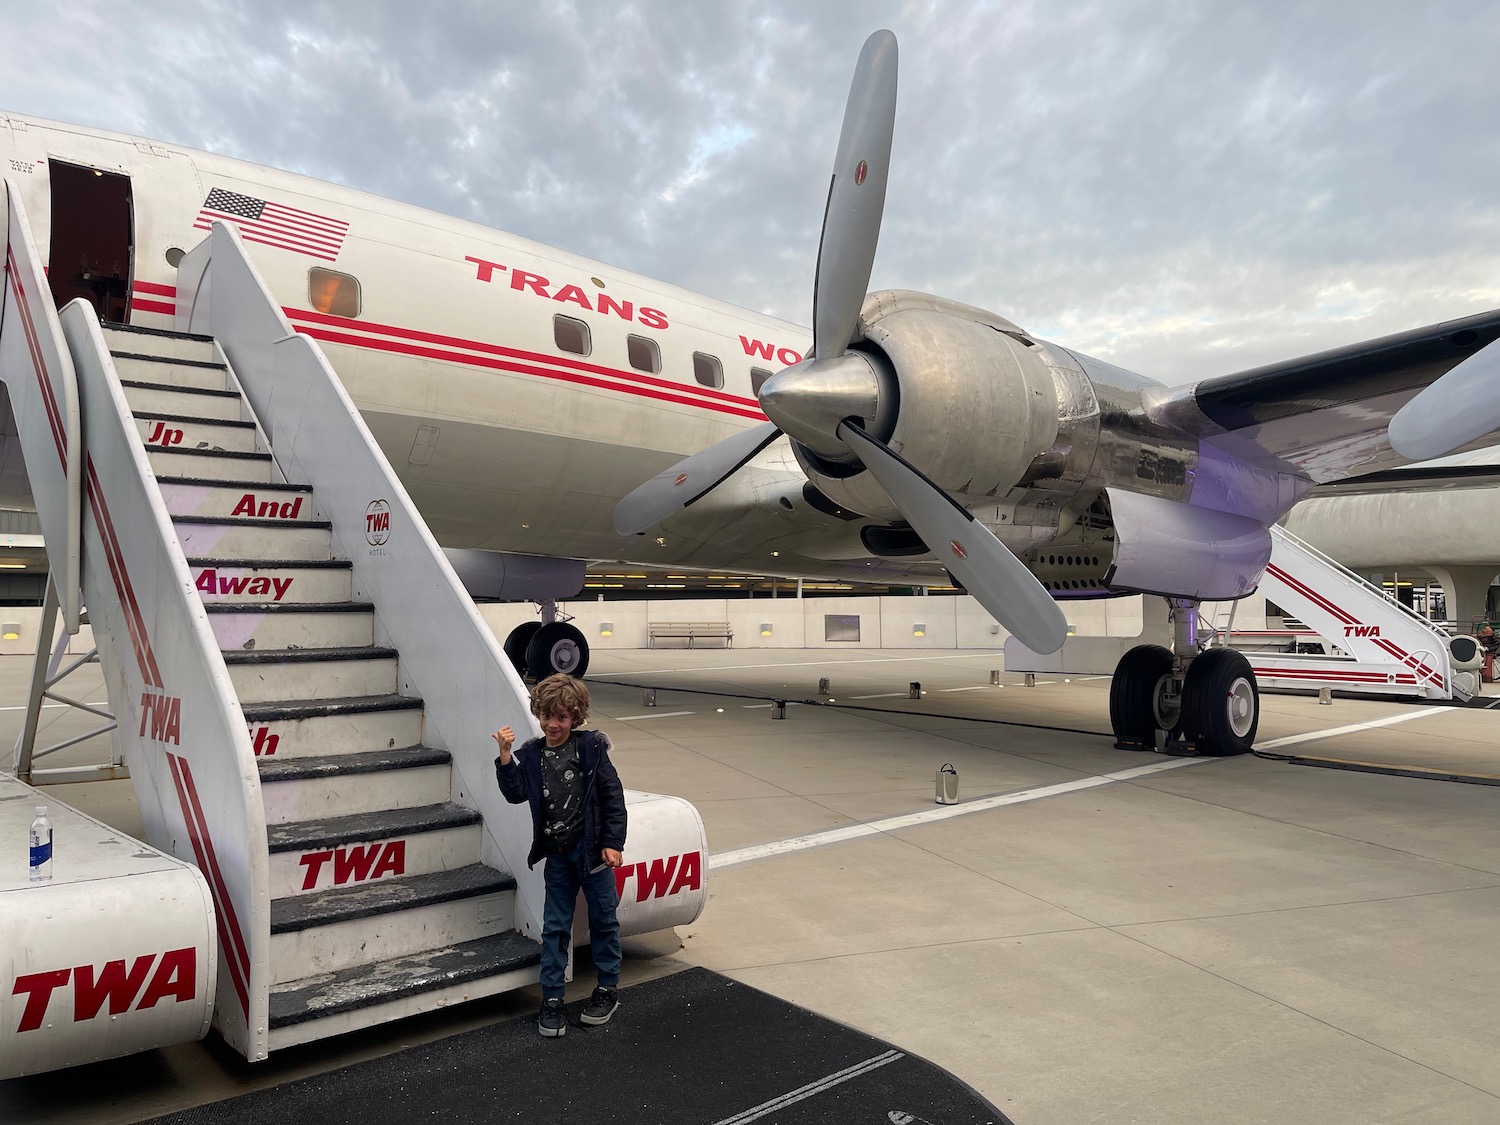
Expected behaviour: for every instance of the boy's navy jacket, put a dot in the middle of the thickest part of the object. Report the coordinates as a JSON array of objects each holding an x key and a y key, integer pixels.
[{"x": 603, "y": 795}]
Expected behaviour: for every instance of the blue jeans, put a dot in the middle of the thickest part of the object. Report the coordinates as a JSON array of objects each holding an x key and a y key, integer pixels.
[{"x": 565, "y": 875}]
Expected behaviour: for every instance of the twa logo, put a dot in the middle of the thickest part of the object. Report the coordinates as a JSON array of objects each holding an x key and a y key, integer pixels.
[
  {"x": 361, "y": 863},
  {"x": 784, "y": 356},
  {"x": 164, "y": 437},
  {"x": 263, "y": 742},
  {"x": 662, "y": 877},
  {"x": 175, "y": 978},
  {"x": 267, "y": 509},
  {"x": 163, "y": 713},
  {"x": 377, "y": 522},
  {"x": 1361, "y": 630},
  {"x": 212, "y": 583}
]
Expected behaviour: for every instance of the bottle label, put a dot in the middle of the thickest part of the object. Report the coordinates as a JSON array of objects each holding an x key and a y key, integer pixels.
[{"x": 41, "y": 853}]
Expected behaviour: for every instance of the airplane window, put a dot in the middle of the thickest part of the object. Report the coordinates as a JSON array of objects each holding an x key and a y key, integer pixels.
[
  {"x": 336, "y": 294},
  {"x": 758, "y": 375},
  {"x": 708, "y": 370},
  {"x": 645, "y": 355},
  {"x": 571, "y": 335}
]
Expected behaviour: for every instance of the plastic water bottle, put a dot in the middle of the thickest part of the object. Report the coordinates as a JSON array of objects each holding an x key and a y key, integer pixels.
[{"x": 41, "y": 846}]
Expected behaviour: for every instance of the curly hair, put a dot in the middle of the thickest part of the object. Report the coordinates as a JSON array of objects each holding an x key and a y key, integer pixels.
[{"x": 561, "y": 695}]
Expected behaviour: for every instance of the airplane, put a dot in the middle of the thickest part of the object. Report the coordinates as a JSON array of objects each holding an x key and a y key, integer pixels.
[{"x": 525, "y": 393}]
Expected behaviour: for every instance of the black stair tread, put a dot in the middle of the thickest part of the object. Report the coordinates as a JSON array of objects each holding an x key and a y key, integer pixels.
[
  {"x": 176, "y": 388},
  {"x": 165, "y": 333},
  {"x": 319, "y": 708},
  {"x": 266, "y": 486},
  {"x": 212, "y": 364},
  {"x": 255, "y": 521},
  {"x": 274, "y": 564},
  {"x": 338, "y": 765},
  {"x": 306, "y": 655},
  {"x": 289, "y": 607},
  {"x": 362, "y": 986},
  {"x": 335, "y": 830},
  {"x": 385, "y": 896},
  {"x": 231, "y": 454},
  {"x": 157, "y": 415}
]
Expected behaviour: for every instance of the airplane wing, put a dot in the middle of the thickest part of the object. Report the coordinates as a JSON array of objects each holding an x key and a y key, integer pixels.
[
  {"x": 1324, "y": 416},
  {"x": 1472, "y": 470}
]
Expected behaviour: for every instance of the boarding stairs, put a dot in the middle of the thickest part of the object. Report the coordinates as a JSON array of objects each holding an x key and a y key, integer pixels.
[
  {"x": 303, "y": 689},
  {"x": 1372, "y": 643}
]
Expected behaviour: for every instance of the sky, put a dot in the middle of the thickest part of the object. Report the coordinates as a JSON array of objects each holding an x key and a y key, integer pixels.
[{"x": 1183, "y": 189}]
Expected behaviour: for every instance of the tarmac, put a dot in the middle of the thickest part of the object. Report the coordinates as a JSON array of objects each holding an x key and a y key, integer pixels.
[{"x": 1089, "y": 935}]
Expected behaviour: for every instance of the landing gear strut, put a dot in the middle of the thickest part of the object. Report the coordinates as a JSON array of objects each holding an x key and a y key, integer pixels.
[
  {"x": 539, "y": 649},
  {"x": 1185, "y": 699}
]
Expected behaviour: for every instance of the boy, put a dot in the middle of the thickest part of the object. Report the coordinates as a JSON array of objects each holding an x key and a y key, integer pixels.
[{"x": 578, "y": 825}]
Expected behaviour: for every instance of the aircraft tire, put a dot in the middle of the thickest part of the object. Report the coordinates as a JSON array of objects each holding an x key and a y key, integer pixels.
[
  {"x": 516, "y": 644},
  {"x": 1134, "y": 711},
  {"x": 1220, "y": 703},
  {"x": 557, "y": 647}
]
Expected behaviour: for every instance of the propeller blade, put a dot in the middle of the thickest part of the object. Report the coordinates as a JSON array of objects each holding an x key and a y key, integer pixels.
[
  {"x": 1463, "y": 405},
  {"x": 856, "y": 198},
  {"x": 981, "y": 563},
  {"x": 666, "y": 494}
]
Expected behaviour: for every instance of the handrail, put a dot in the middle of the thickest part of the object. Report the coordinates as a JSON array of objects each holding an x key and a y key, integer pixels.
[{"x": 1346, "y": 572}]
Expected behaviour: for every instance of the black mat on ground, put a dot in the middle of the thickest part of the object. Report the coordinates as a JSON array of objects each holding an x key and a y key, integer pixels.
[{"x": 695, "y": 1048}]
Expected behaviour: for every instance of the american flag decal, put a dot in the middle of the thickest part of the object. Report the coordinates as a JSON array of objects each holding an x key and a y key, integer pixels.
[{"x": 272, "y": 224}]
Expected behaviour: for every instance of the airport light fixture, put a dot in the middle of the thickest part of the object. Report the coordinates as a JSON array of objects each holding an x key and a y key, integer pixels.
[
  {"x": 606, "y": 628},
  {"x": 919, "y": 630},
  {"x": 11, "y": 631},
  {"x": 765, "y": 628}
]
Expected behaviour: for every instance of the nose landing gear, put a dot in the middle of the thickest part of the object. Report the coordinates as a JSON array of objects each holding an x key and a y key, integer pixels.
[{"x": 539, "y": 649}]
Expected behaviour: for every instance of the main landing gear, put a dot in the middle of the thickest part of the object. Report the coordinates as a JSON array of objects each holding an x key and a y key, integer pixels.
[
  {"x": 539, "y": 649},
  {"x": 1206, "y": 701}
]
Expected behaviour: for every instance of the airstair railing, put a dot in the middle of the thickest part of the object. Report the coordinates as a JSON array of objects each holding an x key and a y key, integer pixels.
[{"x": 449, "y": 656}]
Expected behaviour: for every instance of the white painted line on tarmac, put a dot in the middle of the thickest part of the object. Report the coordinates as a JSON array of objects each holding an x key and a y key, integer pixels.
[
  {"x": 881, "y": 695},
  {"x": 652, "y": 715},
  {"x": 1313, "y": 736},
  {"x": 815, "y": 1087},
  {"x": 44, "y": 706},
  {"x": 976, "y": 687},
  {"x": 753, "y": 706},
  {"x": 944, "y": 812}
]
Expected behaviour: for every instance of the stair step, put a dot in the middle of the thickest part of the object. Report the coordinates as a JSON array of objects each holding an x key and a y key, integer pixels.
[
  {"x": 169, "y": 371},
  {"x": 253, "y": 468},
  {"x": 312, "y": 855},
  {"x": 160, "y": 430},
  {"x": 288, "y": 581},
  {"x": 333, "y": 930},
  {"x": 280, "y": 675},
  {"x": 317, "y": 728},
  {"x": 276, "y": 501},
  {"x": 159, "y": 342},
  {"x": 262, "y": 625},
  {"x": 253, "y": 538},
  {"x": 463, "y": 971},
  {"x": 164, "y": 398},
  {"x": 311, "y": 787}
]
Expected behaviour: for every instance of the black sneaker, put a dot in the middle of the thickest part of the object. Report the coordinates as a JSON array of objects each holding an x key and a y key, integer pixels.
[
  {"x": 602, "y": 1005},
  {"x": 552, "y": 1021}
]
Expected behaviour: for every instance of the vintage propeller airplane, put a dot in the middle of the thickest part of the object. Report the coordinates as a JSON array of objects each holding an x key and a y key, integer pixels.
[{"x": 522, "y": 391}]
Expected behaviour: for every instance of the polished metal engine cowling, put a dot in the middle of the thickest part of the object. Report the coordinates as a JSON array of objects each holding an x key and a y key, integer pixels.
[{"x": 976, "y": 402}]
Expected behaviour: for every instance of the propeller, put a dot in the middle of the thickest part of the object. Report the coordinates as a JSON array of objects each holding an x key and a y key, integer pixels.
[
  {"x": 820, "y": 401},
  {"x": 1461, "y": 406}
]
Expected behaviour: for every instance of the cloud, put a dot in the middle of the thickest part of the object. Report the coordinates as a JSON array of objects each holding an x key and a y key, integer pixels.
[{"x": 1180, "y": 188}]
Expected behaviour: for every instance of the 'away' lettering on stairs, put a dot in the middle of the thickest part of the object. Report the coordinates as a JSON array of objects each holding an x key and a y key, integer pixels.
[{"x": 211, "y": 582}]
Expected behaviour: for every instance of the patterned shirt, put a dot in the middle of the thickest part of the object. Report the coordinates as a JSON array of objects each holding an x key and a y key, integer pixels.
[{"x": 562, "y": 794}]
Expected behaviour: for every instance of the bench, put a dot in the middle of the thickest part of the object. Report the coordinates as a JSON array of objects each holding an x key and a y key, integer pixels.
[{"x": 692, "y": 631}]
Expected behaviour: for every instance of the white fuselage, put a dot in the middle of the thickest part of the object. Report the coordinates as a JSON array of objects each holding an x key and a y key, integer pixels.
[{"x": 505, "y": 440}]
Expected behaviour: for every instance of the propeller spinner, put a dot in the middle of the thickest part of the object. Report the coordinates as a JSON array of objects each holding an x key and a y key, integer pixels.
[{"x": 821, "y": 401}]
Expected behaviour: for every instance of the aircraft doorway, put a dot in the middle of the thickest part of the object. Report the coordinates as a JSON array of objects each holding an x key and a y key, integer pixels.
[{"x": 93, "y": 240}]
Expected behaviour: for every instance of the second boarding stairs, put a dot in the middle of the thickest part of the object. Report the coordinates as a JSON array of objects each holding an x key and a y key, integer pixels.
[{"x": 1372, "y": 643}]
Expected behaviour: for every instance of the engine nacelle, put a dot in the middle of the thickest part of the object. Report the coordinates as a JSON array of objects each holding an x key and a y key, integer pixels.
[{"x": 974, "y": 402}]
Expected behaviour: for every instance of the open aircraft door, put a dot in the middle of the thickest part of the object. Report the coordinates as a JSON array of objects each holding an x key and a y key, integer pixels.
[{"x": 92, "y": 252}]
